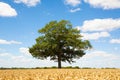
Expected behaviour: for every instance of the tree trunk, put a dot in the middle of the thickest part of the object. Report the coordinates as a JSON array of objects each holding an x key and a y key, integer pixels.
[{"x": 59, "y": 60}]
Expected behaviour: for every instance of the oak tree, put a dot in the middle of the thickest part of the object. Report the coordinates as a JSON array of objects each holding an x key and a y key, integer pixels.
[{"x": 60, "y": 42}]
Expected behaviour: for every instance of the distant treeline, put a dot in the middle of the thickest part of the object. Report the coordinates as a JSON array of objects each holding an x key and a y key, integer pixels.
[{"x": 54, "y": 67}]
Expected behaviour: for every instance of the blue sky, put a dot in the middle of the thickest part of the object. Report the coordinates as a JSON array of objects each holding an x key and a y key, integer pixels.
[{"x": 99, "y": 22}]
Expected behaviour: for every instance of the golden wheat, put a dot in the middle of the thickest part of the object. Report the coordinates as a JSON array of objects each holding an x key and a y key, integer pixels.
[{"x": 60, "y": 74}]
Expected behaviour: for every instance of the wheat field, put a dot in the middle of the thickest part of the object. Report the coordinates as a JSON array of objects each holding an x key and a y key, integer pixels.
[{"x": 60, "y": 74}]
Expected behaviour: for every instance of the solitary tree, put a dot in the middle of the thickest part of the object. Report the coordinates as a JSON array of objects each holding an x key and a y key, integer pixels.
[{"x": 60, "y": 42}]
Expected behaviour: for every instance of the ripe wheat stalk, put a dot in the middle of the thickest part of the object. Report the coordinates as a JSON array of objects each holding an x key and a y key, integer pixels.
[{"x": 60, "y": 74}]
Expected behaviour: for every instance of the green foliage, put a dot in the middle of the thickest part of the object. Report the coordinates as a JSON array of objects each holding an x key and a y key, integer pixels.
[
  {"x": 60, "y": 42},
  {"x": 53, "y": 67},
  {"x": 109, "y": 68},
  {"x": 68, "y": 67},
  {"x": 77, "y": 67},
  {"x": 86, "y": 68}
]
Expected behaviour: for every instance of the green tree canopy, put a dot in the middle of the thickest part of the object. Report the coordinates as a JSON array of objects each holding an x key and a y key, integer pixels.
[{"x": 60, "y": 42}]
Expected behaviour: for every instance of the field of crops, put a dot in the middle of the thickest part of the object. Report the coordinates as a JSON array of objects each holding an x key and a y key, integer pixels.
[{"x": 60, "y": 74}]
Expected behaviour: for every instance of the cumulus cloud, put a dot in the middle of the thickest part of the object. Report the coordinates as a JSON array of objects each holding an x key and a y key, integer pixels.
[
  {"x": 117, "y": 41},
  {"x": 9, "y": 42},
  {"x": 105, "y": 4},
  {"x": 21, "y": 59},
  {"x": 29, "y": 3},
  {"x": 72, "y": 2},
  {"x": 5, "y": 55},
  {"x": 101, "y": 24},
  {"x": 74, "y": 10},
  {"x": 12, "y": 60},
  {"x": 100, "y": 59},
  {"x": 92, "y": 59},
  {"x": 102, "y": 54},
  {"x": 6, "y": 10},
  {"x": 94, "y": 36},
  {"x": 24, "y": 50}
]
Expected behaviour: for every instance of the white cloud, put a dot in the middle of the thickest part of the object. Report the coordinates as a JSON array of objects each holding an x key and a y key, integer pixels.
[
  {"x": 9, "y": 42},
  {"x": 11, "y": 60},
  {"x": 24, "y": 50},
  {"x": 92, "y": 59},
  {"x": 102, "y": 54},
  {"x": 15, "y": 58},
  {"x": 117, "y": 41},
  {"x": 101, "y": 25},
  {"x": 5, "y": 55},
  {"x": 94, "y": 36},
  {"x": 78, "y": 27},
  {"x": 105, "y": 4},
  {"x": 72, "y": 2},
  {"x": 100, "y": 59},
  {"x": 29, "y": 3},
  {"x": 75, "y": 10},
  {"x": 22, "y": 59},
  {"x": 6, "y": 10}
]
